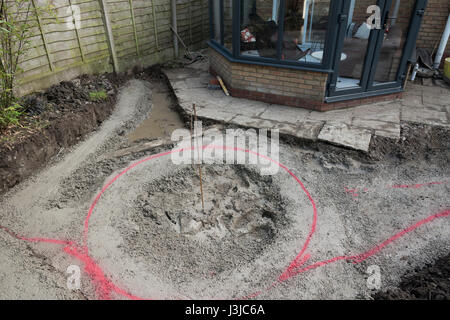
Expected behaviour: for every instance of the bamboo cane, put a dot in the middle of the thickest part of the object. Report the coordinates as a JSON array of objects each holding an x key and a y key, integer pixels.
[{"x": 200, "y": 168}]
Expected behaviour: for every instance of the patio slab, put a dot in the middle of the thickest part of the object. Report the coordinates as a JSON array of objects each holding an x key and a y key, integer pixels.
[
  {"x": 347, "y": 136},
  {"x": 352, "y": 128}
]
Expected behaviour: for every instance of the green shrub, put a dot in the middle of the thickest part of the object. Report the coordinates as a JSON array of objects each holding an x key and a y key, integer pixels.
[
  {"x": 18, "y": 24},
  {"x": 98, "y": 95},
  {"x": 10, "y": 115}
]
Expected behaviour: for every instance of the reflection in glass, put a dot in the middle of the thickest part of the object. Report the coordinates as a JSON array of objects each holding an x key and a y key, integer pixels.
[
  {"x": 305, "y": 26},
  {"x": 355, "y": 46},
  {"x": 259, "y": 27},
  {"x": 395, "y": 33}
]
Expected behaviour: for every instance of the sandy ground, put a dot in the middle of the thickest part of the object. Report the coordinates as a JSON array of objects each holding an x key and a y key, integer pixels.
[{"x": 147, "y": 236}]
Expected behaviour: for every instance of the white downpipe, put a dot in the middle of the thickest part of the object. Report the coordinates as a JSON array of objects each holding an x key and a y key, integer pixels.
[
  {"x": 350, "y": 13},
  {"x": 275, "y": 8},
  {"x": 442, "y": 45},
  {"x": 311, "y": 22},
  {"x": 306, "y": 21}
]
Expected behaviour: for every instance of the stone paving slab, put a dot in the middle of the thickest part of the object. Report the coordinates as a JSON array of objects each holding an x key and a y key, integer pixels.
[
  {"x": 382, "y": 128},
  {"x": 347, "y": 136},
  {"x": 427, "y": 115},
  {"x": 352, "y": 128}
]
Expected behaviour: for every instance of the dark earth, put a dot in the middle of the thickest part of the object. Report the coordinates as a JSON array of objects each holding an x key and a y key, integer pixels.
[{"x": 429, "y": 283}]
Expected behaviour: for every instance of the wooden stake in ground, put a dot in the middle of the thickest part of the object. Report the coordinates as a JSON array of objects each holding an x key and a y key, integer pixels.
[
  {"x": 192, "y": 137},
  {"x": 407, "y": 76},
  {"x": 200, "y": 167},
  {"x": 222, "y": 84}
]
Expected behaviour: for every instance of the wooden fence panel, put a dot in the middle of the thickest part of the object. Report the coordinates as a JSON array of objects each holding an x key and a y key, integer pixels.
[{"x": 140, "y": 31}]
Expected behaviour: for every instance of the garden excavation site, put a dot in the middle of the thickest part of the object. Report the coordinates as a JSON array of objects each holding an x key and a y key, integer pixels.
[{"x": 148, "y": 206}]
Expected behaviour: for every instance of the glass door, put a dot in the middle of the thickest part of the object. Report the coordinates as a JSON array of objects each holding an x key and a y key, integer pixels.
[
  {"x": 373, "y": 48},
  {"x": 396, "y": 42}
]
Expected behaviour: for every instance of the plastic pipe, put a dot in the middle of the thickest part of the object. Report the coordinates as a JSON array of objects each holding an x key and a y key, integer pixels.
[
  {"x": 395, "y": 13},
  {"x": 442, "y": 45}
]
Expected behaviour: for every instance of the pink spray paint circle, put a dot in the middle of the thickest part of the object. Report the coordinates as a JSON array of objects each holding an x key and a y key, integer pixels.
[{"x": 106, "y": 286}]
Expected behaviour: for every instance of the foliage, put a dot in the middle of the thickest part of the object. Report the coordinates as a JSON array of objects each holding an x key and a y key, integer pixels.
[
  {"x": 10, "y": 115},
  {"x": 18, "y": 22},
  {"x": 98, "y": 95}
]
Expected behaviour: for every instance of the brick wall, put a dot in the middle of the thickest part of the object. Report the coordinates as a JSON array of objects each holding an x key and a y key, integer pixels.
[
  {"x": 296, "y": 88},
  {"x": 433, "y": 25},
  {"x": 270, "y": 84}
]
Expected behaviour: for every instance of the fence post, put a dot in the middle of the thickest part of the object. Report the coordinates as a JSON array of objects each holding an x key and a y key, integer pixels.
[
  {"x": 155, "y": 27},
  {"x": 76, "y": 32},
  {"x": 109, "y": 34},
  {"x": 190, "y": 22},
  {"x": 202, "y": 19},
  {"x": 44, "y": 41},
  {"x": 134, "y": 27},
  {"x": 173, "y": 6}
]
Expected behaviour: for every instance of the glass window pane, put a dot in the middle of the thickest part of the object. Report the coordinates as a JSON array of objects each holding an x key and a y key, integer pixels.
[
  {"x": 216, "y": 19},
  {"x": 259, "y": 28},
  {"x": 228, "y": 24},
  {"x": 355, "y": 46},
  {"x": 394, "y": 40},
  {"x": 305, "y": 28}
]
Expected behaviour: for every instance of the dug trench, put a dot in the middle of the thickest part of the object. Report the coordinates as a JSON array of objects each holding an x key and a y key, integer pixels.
[
  {"x": 149, "y": 233},
  {"x": 54, "y": 120}
]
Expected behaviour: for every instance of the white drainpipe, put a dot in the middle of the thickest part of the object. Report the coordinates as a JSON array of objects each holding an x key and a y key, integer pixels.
[
  {"x": 351, "y": 12},
  {"x": 442, "y": 45}
]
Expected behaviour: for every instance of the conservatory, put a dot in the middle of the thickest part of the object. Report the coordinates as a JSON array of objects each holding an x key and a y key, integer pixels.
[{"x": 316, "y": 54}]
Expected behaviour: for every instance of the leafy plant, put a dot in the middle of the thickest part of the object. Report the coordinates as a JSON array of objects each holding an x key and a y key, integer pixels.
[
  {"x": 18, "y": 19},
  {"x": 10, "y": 115},
  {"x": 98, "y": 95}
]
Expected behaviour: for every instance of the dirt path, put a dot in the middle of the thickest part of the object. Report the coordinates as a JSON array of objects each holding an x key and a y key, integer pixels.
[
  {"x": 143, "y": 235},
  {"x": 29, "y": 209}
]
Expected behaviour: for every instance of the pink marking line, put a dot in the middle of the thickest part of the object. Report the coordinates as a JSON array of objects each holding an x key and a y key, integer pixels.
[
  {"x": 105, "y": 287},
  {"x": 419, "y": 185},
  {"x": 366, "y": 255}
]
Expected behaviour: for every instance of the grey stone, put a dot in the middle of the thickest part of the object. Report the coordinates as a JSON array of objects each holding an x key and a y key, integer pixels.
[
  {"x": 352, "y": 127},
  {"x": 348, "y": 136},
  {"x": 425, "y": 115},
  {"x": 285, "y": 114},
  {"x": 382, "y": 128}
]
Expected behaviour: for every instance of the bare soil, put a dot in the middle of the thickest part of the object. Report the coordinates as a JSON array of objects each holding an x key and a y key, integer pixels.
[
  {"x": 429, "y": 283},
  {"x": 55, "y": 119},
  {"x": 243, "y": 214}
]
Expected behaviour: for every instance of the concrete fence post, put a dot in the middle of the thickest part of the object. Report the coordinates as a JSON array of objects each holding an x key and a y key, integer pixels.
[
  {"x": 44, "y": 40},
  {"x": 77, "y": 33},
  {"x": 155, "y": 26},
  {"x": 173, "y": 6},
  {"x": 190, "y": 23},
  {"x": 133, "y": 21},
  {"x": 109, "y": 34}
]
